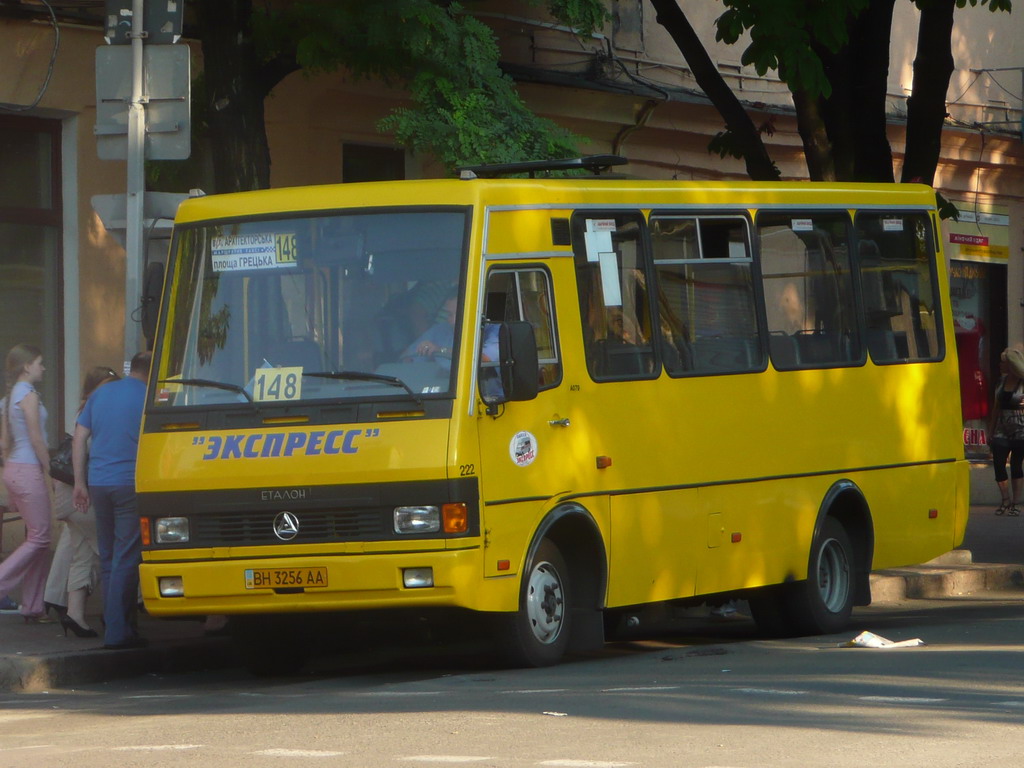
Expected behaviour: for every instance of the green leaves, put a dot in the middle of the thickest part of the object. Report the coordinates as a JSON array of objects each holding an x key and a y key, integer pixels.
[
  {"x": 584, "y": 16},
  {"x": 784, "y": 35},
  {"x": 465, "y": 109},
  {"x": 993, "y": 5},
  {"x": 487, "y": 123},
  {"x": 947, "y": 210}
]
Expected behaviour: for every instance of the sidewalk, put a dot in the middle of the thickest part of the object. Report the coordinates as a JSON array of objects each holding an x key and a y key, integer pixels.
[{"x": 38, "y": 657}]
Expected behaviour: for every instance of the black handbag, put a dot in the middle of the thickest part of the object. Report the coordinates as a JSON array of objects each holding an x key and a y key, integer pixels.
[{"x": 61, "y": 467}]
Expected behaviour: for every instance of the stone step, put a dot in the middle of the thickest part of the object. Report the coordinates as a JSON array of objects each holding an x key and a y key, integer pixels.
[
  {"x": 942, "y": 580},
  {"x": 953, "y": 557}
]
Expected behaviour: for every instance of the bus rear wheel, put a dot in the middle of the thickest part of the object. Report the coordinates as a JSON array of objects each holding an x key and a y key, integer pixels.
[
  {"x": 820, "y": 605},
  {"x": 537, "y": 635},
  {"x": 824, "y": 602}
]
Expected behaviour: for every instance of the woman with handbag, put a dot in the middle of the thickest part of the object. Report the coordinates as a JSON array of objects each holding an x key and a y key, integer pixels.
[
  {"x": 27, "y": 477},
  {"x": 75, "y": 569}
]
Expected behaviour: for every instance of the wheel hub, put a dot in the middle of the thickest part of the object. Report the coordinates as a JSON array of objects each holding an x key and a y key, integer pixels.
[
  {"x": 833, "y": 576},
  {"x": 545, "y": 603}
]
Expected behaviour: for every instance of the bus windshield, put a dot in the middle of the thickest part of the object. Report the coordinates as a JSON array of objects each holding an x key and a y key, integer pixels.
[{"x": 315, "y": 307}]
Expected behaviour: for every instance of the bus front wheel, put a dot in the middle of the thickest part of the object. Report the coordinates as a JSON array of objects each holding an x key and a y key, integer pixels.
[{"x": 537, "y": 635}]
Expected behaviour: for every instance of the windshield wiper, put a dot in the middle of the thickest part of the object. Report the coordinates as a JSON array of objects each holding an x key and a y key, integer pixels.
[
  {"x": 210, "y": 383},
  {"x": 361, "y": 376}
]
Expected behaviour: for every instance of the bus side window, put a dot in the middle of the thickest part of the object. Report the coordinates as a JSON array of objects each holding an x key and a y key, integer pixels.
[
  {"x": 611, "y": 279},
  {"x": 808, "y": 289},
  {"x": 705, "y": 293},
  {"x": 515, "y": 295},
  {"x": 896, "y": 263}
]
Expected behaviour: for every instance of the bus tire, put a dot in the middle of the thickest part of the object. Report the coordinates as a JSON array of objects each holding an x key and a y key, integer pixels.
[
  {"x": 537, "y": 635},
  {"x": 822, "y": 604}
]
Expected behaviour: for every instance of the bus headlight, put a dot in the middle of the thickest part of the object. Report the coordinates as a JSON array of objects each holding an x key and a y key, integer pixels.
[
  {"x": 417, "y": 520},
  {"x": 171, "y": 530}
]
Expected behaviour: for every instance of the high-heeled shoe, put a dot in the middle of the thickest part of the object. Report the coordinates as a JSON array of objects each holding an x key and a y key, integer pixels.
[
  {"x": 68, "y": 623},
  {"x": 59, "y": 610}
]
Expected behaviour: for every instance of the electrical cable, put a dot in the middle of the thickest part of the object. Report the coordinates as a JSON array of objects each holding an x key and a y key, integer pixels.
[
  {"x": 1005, "y": 89},
  {"x": 49, "y": 69},
  {"x": 965, "y": 90},
  {"x": 635, "y": 78}
]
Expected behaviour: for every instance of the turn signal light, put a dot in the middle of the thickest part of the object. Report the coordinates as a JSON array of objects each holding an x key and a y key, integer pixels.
[
  {"x": 456, "y": 518},
  {"x": 146, "y": 536}
]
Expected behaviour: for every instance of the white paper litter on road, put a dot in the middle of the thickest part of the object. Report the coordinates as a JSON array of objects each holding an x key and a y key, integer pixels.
[{"x": 871, "y": 640}]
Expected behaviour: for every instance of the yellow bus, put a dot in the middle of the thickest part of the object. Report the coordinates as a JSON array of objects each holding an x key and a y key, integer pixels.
[{"x": 549, "y": 401}]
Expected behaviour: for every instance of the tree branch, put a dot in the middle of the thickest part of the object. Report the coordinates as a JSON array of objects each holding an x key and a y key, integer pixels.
[{"x": 744, "y": 133}]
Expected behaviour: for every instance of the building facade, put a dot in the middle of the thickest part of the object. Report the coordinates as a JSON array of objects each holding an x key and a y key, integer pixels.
[{"x": 624, "y": 90}]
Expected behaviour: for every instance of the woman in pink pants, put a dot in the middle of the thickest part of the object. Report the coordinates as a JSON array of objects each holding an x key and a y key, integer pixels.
[{"x": 27, "y": 477}]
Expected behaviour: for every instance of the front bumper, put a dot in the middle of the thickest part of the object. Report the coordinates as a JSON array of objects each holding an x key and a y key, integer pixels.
[{"x": 354, "y": 582}]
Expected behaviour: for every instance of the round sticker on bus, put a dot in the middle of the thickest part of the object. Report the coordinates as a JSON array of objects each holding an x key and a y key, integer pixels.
[{"x": 523, "y": 449}]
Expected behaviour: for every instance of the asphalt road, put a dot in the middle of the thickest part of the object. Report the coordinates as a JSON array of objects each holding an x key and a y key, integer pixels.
[{"x": 708, "y": 695}]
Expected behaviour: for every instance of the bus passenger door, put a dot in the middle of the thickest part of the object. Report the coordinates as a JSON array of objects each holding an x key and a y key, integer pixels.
[{"x": 528, "y": 449}]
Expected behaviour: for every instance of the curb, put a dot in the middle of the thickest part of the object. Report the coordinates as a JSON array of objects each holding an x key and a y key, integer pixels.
[
  {"x": 951, "y": 574},
  {"x": 34, "y": 673},
  {"x": 925, "y": 581}
]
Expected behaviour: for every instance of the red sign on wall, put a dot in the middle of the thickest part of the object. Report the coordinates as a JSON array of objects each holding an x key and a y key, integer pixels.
[{"x": 955, "y": 237}]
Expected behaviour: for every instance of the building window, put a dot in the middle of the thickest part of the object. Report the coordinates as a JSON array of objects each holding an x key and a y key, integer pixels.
[
  {"x": 363, "y": 162},
  {"x": 30, "y": 247}
]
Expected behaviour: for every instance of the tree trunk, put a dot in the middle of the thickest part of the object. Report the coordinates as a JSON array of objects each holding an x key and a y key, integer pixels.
[
  {"x": 855, "y": 112},
  {"x": 235, "y": 93},
  {"x": 836, "y": 110},
  {"x": 870, "y": 84},
  {"x": 759, "y": 164},
  {"x": 817, "y": 147},
  {"x": 926, "y": 108}
]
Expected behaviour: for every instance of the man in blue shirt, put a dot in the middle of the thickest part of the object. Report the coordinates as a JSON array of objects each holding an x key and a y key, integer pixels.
[{"x": 113, "y": 419}]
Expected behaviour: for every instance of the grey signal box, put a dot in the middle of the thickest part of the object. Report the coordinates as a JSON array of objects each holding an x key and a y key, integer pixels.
[
  {"x": 166, "y": 89},
  {"x": 161, "y": 20}
]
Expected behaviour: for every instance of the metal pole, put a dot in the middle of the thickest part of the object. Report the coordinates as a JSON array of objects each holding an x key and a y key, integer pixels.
[{"x": 136, "y": 191}]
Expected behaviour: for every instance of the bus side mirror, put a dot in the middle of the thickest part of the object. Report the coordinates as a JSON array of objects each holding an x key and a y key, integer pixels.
[{"x": 518, "y": 358}]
